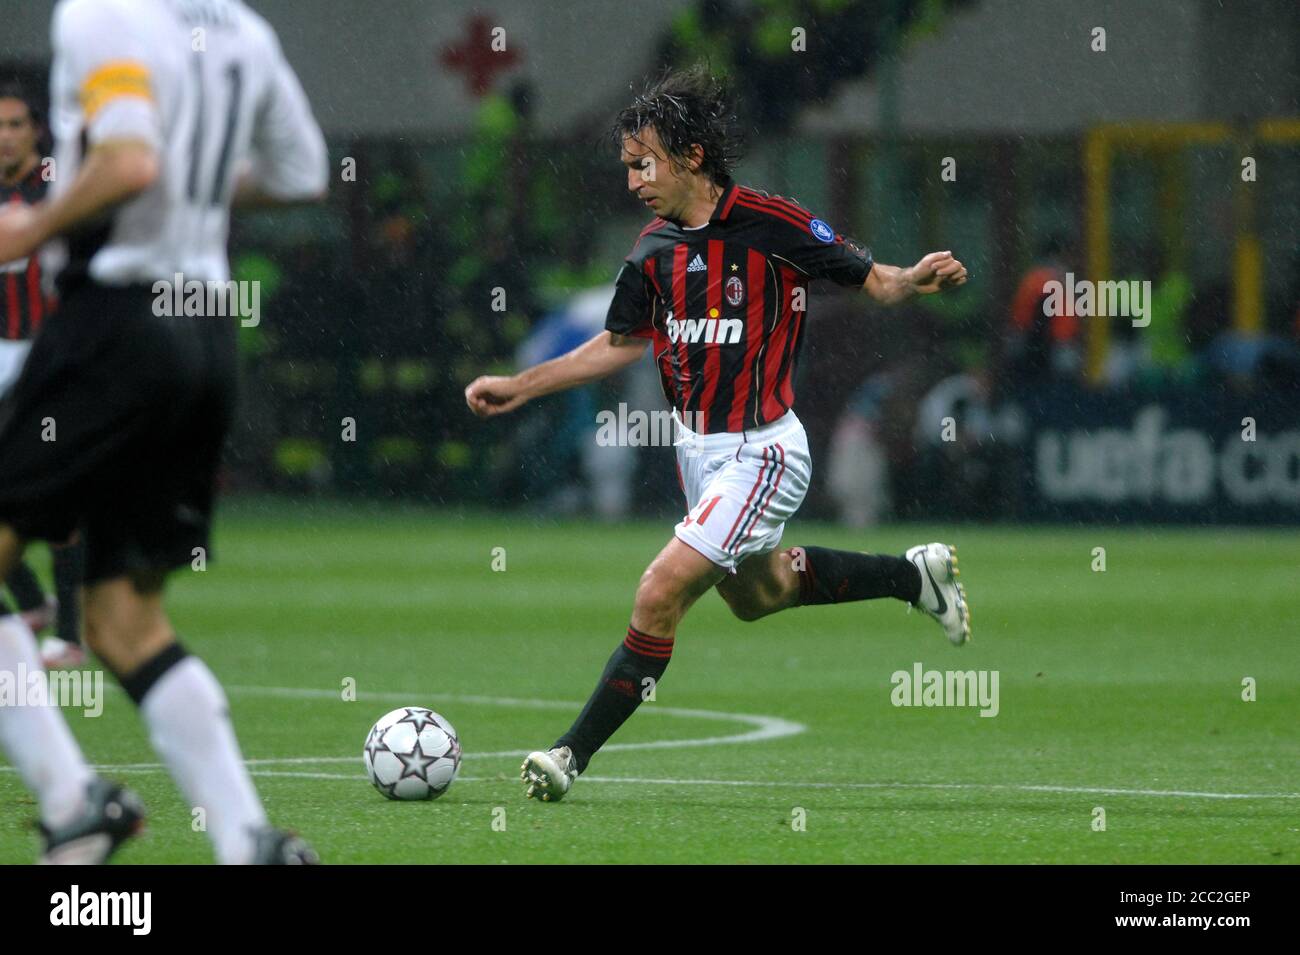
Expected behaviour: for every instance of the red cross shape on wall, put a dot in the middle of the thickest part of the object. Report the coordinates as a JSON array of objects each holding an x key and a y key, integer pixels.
[{"x": 475, "y": 57}]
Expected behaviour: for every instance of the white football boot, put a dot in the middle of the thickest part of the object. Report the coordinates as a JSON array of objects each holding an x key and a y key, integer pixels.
[
  {"x": 942, "y": 597},
  {"x": 549, "y": 775},
  {"x": 109, "y": 816}
]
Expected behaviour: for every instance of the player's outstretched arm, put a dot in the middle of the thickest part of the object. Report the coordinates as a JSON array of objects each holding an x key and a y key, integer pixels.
[
  {"x": 890, "y": 285},
  {"x": 594, "y": 359}
]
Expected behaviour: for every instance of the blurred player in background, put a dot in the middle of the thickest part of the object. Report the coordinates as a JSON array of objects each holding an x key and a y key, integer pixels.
[
  {"x": 23, "y": 306},
  {"x": 717, "y": 282},
  {"x": 163, "y": 112}
]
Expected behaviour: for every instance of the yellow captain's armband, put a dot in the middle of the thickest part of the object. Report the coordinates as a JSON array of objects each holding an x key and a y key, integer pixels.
[{"x": 113, "y": 80}]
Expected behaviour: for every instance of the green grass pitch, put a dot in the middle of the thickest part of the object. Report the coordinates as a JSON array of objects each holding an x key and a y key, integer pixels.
[{"x": 1119, "y": 689}]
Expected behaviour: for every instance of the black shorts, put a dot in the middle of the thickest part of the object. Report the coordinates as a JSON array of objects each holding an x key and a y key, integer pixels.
[{"x": 115, "y": 429}]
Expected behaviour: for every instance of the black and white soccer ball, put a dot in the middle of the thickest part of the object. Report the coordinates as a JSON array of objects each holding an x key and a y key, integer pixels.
[{"x": 412, "y": 753}]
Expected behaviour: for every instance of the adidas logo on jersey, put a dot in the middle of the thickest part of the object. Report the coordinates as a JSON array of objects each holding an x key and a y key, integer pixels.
[{"x": 697, "y": 265}]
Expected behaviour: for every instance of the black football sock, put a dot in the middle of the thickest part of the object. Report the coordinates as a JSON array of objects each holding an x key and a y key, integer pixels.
[
  {"x": 26, "y": 588},
  {"x": 69, "y": 561},
  {"x": 618, "y": 693},
  {"x": 839, "y": 576}
]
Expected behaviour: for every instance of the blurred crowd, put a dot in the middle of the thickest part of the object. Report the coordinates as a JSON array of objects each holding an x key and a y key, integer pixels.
[
  {"x": 421, "y": 285},
  {"x": 439, "y": 291}
]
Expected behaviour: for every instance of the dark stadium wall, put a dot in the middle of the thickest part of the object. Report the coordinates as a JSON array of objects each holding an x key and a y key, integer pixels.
[{"x": 381, "y": 68}]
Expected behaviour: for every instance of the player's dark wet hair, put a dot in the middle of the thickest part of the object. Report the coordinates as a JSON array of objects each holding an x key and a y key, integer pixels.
[
  {"x": 686, "y": 107},
  {"x": 12, "y": 89}
]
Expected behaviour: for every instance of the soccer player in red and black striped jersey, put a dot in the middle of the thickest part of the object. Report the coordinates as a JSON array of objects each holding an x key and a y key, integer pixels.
[
  {"x": 22, "y": 301},
  {"x": 23, "y": 307},
  {"x": 716, "y": 287}
]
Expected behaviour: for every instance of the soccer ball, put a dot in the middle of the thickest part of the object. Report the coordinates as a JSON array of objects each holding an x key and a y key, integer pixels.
[{"x": 412, "y": 753}]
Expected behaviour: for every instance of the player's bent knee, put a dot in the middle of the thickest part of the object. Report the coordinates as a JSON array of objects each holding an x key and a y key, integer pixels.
[
  {"x": 124, "y": 616},
  {"x": 742, "y": 605},
  {"x": 658, "y": 597},
  {"x": 654, "y": 602},
  {"x": 747, "y": 612},
  {"x": 106, "y": 638}
]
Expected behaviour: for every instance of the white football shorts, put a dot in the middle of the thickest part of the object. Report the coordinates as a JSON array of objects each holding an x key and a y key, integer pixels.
[{"x": 740, "y": 488}]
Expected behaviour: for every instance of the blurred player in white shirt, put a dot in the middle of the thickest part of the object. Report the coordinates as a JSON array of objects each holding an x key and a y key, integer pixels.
[{"x": 163, "y": 113}]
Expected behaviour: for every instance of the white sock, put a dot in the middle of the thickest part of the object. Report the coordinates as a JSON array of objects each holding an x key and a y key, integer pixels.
[
  {"x": 36, "y": 738},
  {"x": 189, "y": 723}
]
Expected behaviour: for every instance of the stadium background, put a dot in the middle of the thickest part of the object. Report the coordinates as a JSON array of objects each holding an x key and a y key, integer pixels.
[
  {"x": 479, "y": 170},
  {"x": 1129, "y": 655}
]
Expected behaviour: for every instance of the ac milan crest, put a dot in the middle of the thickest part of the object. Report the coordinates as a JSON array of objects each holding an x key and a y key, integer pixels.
[{"x": 735, "y": 289}]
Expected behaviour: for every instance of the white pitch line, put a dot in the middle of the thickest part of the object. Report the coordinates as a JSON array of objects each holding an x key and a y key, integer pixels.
[
  {"x": 1016, "y": 787},
  {"x": 770, "y": 784},
  {"x": 764, "y": 728},
  {"x": 737, "y": 783}
]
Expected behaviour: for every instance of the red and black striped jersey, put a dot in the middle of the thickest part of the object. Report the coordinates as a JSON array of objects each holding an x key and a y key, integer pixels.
[
  {"x": 23, "y": 303},
  {"x": 724, "y": 304}
]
